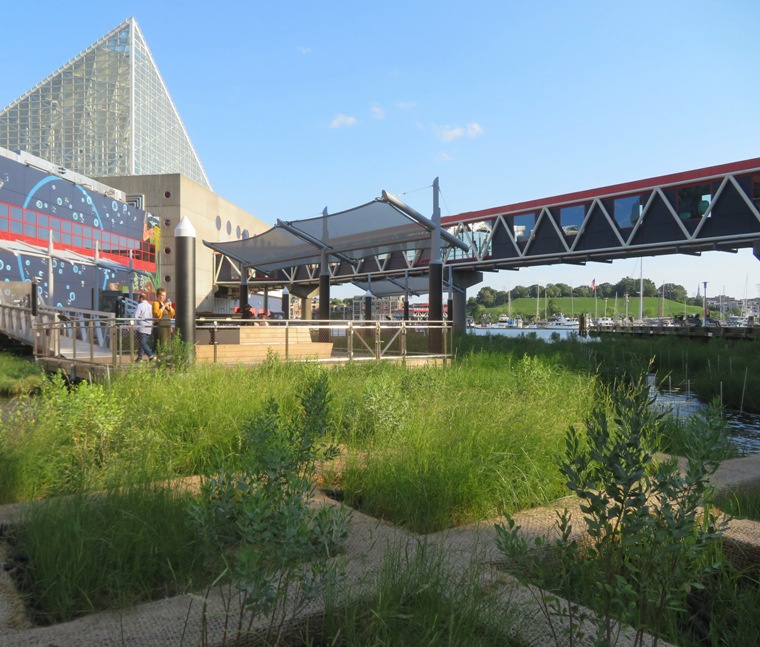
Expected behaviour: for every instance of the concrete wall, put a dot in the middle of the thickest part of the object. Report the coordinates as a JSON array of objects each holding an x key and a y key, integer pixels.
[{"x": 172, "y": 196}]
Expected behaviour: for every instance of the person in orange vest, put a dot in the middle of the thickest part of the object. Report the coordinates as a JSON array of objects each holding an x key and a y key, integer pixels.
[{"x": 163, "y": 311}]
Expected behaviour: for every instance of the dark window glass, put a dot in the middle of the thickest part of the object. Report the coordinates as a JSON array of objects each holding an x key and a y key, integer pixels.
[
  {"x": 693, "y": 201},
  {"x": 571, "y": 219},
  {"x": 627, "y": 210},
  {"x": 523, "y": 226}
]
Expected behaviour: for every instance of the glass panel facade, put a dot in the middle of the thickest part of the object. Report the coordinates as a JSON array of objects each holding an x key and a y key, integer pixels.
[
  {"x": 83, "y": 117},
  {"x": 571, "y": 219},
  {"x": 693, "y": 201},
  {"x": 628, "y": 210},
  {"x": 523, "y": 226}
]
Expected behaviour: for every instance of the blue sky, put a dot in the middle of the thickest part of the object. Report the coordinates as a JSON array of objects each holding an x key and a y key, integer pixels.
[{"x": 297, "y": 105}]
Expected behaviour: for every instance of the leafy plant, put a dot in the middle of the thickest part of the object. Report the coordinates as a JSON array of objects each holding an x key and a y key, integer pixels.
[
  {"x": 278, "y": 547},
  {"x": 647, "y": 524}
]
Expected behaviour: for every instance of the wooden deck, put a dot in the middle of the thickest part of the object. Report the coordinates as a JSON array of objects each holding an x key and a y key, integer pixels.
[{"x": 257, "y": 343}]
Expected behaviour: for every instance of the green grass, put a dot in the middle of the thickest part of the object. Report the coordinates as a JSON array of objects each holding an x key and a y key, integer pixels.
[
  {"x": 435, "y": 449},
  {"x": 653, "y": 306},
  {"x": 417, "y": 600},
  {"x": 741, "y": 503},
  {"x": 93, "y": 552},
  {"x": 427, "y": 448},
  {"x": 19, "y": 375},
  {"x": 712, "y": 368}
]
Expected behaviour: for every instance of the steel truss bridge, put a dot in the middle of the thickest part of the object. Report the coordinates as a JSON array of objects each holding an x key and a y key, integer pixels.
[{"x": 713, "y": 208}]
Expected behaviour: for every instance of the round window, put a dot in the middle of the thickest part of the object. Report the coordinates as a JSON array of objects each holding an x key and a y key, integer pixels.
[
  {"x": 219, "y": 223},
  {"x": 167, "y": 194}
]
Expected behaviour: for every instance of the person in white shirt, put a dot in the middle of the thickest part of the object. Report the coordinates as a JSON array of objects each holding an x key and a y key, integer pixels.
[{"x": 144, "y": 319}]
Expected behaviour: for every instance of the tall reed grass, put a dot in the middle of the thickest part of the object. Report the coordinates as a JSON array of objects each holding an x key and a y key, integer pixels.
[
  {"x": 18, "y": 375},
  {"x": 92, "y": 552},
  {"x": 431, "y": 449},
  {"x": 418, "y": 599}
]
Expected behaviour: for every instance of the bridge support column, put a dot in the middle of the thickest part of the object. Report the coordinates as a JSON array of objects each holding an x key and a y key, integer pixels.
[
  {"x": 286, "y": 303},
  {"x": 463, "y": 279}
]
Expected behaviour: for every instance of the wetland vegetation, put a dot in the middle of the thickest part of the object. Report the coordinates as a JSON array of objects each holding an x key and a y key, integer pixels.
[{"x": 426, "y": 449}]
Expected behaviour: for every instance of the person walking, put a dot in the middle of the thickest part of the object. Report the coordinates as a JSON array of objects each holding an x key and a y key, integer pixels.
[{"x": 144, "y": 326}]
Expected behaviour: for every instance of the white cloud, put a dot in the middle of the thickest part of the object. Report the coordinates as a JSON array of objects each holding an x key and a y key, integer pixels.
[
  {"x": 378, "y": 112},
  {"x": 444, "y": 157},
  {"x": 342, "y": 120},
  {"x": 451, "y": 133},
  {"x": 406, "y": 105},
  {"x": 304, "y": 50},
  {"x": 474, "y": 130}
]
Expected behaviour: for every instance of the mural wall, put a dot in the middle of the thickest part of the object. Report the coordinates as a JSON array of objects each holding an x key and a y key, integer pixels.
[{"x": 99, "y": 243}]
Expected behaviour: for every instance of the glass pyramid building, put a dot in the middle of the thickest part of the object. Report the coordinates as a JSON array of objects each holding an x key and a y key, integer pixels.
[{"x": 106, "y": 112}]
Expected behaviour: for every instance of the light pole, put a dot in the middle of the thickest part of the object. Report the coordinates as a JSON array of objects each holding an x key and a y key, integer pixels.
[{"x": 704, "y": 301}]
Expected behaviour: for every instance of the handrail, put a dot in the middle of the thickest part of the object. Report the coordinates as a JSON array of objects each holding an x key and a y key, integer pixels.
[{"x": 89, "y": 337}]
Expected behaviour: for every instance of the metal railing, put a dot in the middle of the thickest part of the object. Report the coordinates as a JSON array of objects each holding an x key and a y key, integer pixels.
[
  {"x": 348, "y": 339},
  {"x": 91, "y": 337}
]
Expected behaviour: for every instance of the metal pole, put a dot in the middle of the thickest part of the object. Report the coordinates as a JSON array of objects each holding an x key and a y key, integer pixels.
[
  {"x": 243, "y": 286},
  {"x": 450, "y": 300},
  {"x": 324, "y": 297},
  {"x": 286, "y": 303},
  {"x": 435, "y": 289},
  {"x": 184, "y": 235},
  {"x": 406, "y": 295}
]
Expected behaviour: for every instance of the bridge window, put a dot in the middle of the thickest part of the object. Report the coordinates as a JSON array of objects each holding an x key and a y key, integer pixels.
[
  {"x": 755, "y": 192},
  {"x": 693, "y": 201},
  {"x": 522, "y": 226},
  {"x": 628, "y": 210},
  {"x": 481, "y": 232},
  {"x": 571, "y": 219}
]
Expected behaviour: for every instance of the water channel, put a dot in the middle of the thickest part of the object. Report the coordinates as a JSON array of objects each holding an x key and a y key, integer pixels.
[{"x": 744, "y": 428}]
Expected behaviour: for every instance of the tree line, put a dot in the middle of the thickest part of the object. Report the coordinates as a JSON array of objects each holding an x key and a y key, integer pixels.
[{"x": 489, "y": 297}]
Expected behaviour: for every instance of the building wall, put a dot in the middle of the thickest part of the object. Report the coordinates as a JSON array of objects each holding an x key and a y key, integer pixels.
[
  {"x": 41, "y": 205},
  {"x": 172, "y": 196}
]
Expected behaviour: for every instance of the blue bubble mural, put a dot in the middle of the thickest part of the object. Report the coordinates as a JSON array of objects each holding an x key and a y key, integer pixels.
[{"x": 38, "y": 209}]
